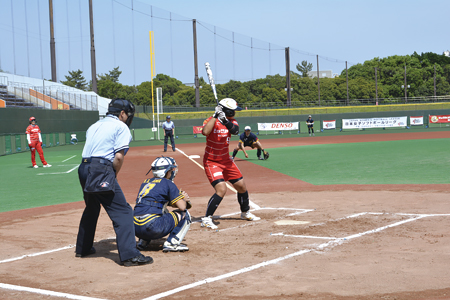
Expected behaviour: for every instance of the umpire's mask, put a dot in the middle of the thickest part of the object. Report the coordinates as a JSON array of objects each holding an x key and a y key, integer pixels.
[{"x": 117, "y": 105}]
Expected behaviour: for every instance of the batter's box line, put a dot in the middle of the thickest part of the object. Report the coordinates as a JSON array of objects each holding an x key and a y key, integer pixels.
[
  {"x": 298, "y": 212},
  {"x": 417, "y": 217}
]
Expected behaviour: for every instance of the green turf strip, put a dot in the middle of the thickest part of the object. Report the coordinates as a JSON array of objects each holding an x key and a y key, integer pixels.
[
  {"x": 393, "y": 162},
  {"x": 21, "y": 187}
]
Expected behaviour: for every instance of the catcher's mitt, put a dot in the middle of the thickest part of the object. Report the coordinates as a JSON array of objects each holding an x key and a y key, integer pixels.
[
  {"x": 188, "y": 204},
  {"x": 266, "y": 155}
]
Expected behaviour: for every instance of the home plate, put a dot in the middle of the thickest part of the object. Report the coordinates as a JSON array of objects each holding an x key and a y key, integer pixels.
[
  {"x": 193, "y": 156},
  {"x": 291, "y": 222}
]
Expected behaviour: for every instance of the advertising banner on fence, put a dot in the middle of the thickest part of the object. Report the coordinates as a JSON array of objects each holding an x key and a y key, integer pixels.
[
  {"x": 329, "y": 124},
  {"x": 439, "y": 118},
  {"x": 416, "y": 120},
  {"x": 374, "y": 122},
  {"x": 278, "y": 126},
  {"x": 197, "y": 129}
]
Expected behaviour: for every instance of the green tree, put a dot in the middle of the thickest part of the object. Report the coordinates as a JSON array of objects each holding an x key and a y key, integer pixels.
[
  {"x": 113, "y": 75},
  {"x": 75, "y": 79},
  {"x": 304, "y": 68}
]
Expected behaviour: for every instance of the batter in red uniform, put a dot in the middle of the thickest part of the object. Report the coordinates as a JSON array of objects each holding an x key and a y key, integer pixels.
[
  {"x": 219, "y": 167},
  {"x": 35, "y": 143}
]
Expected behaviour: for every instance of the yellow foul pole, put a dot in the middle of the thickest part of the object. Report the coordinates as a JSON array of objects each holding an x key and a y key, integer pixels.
[{"x": 152, "y": 67}]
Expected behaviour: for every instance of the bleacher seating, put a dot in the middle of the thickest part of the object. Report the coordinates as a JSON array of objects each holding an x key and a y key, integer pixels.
[{"x": 12, "y": 101}]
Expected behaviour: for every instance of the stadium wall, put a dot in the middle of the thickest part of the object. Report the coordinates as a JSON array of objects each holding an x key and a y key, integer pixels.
[{"x": 15, "y": 120}]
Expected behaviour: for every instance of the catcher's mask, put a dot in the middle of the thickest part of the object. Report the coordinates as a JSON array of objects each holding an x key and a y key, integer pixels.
[
  {"x": 32, "y": 119},
  {"x": 229, "y": 106},
  {"x": 162, "y": 165},
  {"x": 117, "y": 105}
]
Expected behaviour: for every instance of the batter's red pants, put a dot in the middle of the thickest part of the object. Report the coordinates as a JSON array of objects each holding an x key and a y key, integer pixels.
[{"x": 36, "y": 145}]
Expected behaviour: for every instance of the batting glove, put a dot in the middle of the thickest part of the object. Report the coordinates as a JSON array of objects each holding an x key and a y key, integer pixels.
[
  {"x": 223, "y": 119},
  {"x": 218, "y": 111}
]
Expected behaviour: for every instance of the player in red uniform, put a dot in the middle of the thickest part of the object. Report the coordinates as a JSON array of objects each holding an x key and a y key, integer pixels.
[
  {"x": 219, "y": 167},
  {"x": 35, "y": 143}
]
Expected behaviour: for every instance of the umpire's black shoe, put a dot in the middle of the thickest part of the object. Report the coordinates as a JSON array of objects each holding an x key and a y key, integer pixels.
[
  {"x": 137, "y": 261},
  {"x": 92, "y": 251}
]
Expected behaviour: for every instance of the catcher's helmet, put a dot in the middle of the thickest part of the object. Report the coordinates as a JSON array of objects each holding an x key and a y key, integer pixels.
[
  {"x": 117, "y": 105},
  {"x": 229, "y": 106},
  {"x": 162, "y": 165},
  {"x": 32, "y": 119}
]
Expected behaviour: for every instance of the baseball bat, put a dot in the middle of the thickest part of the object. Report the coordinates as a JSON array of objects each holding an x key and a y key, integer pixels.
[{"x": 211, "y": 80}]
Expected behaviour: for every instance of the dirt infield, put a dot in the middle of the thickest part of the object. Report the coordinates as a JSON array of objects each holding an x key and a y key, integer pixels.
[{"x": 348, "y": 241}]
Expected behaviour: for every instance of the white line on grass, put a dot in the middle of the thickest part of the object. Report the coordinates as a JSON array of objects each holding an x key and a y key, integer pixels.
[
  {"x": 44, "y": 292},
  {"x": 59, "y": 172},
  {"x": 69, "y": 158}
]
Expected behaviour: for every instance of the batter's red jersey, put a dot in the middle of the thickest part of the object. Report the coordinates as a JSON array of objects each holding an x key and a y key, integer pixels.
[
  {"x": 33, "y": 131},
  {"x": 217, "y": 142}
]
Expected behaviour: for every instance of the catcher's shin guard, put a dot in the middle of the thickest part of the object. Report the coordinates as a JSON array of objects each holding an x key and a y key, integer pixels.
[
  {"x": 178, "y": 233},
  {"x": 243, "y": 201}
]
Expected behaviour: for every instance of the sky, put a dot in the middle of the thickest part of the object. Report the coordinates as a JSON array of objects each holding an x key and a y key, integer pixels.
[{"x": 243, "y": 40}]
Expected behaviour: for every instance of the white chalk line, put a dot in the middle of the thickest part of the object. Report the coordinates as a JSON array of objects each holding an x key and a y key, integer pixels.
[
  {"x": 56, "y": 173},
  {"x": 69, "y": 158},
  {"x": 46, "y": 252},
  {"x": 330, "y": 244},
  {"x": 251, "y": 203},
  {"x": 45, "y": 292}
]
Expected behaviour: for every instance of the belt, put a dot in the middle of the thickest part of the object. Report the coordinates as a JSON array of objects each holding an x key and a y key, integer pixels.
[
  {"x": 142, "y": 217},
  {"x": 99, "y": 160}
]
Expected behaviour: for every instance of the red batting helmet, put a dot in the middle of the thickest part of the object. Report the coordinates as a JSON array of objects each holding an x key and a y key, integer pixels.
[{"x": 32, "y": 119}]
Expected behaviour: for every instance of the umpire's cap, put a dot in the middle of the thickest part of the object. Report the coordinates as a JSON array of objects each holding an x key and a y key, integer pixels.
[{"x": 117, "y": 105}]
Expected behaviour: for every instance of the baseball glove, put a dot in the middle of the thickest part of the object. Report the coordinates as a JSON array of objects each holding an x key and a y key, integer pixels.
[
  {"x": 266, "y": 155},
  {"x": 188, "y": 204}
]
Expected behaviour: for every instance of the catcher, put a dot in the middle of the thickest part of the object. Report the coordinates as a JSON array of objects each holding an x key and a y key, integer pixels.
[
  {"x": 249, "y": 139},
  {"x": 152, "y": 219}
]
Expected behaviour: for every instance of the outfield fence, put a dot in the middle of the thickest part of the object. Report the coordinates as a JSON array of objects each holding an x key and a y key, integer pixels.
[{"x": 16, "y": 143}]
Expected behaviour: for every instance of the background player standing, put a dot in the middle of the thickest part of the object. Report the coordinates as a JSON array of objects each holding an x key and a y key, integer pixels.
[
  {"x": 34, "y": 139},
  {"x": 249, "y": 139},
  {"x": 310, "y": 124},
  {"x": 219, "y": 167},
  {"x": 168, "y": 127},
  {"x": 107, "y": 142},
  {"x": 152, "y": 220}
]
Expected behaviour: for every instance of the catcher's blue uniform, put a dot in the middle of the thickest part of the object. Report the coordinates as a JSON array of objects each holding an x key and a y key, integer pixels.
[
  {"x": 248, "y": 141},
  {"x": 150, "y": 219}
]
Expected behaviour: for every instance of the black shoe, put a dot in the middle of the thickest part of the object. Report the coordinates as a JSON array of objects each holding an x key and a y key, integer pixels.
[
  {"x": 92, "y": 251},
  {"x": 165, "y": 150},
  {"x": 174, "y": 150},
  {"x": 137, "y": 261}
]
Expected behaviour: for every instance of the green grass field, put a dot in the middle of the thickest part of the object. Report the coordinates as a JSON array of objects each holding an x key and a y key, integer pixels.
[{"x": 394, "y": 162}]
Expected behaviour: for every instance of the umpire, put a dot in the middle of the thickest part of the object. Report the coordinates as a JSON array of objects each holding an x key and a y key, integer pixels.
[
  {"x": 107, "y": 142},
  {"x": 168, "y": 127}
]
